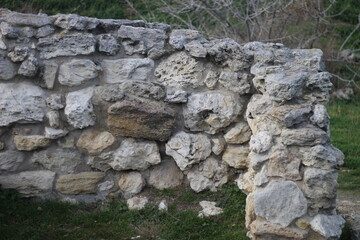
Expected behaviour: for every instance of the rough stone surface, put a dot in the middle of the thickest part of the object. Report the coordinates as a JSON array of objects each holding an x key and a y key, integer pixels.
[
  {"x": 44, "y": 31},
  {"x": 196, "y": 49},
  {"x": 54, "y": 102},
  {"x": 320, "y": 116},
  {"x": 324, "y": 157},
  {"x": 101, "y": 161},
  {"x": 166, "y": 175},
  {"x": 218, "y": 145},
  {"x": 29, "y": 183},
  {"x": 188, "y": 149},
  {"x": 7, "y": 69},
  {"x": 180, "y": 37},
  {"x": 95, "y": 142},
  {"x": 108, "y": 44},
  {"x": 238, "y": 83},
  {"x": 79, "y": 109},
  {"x": 131, "y": 183},
  {"x": 75, "y": 22},
  {"x": 141, "y": 119},
  {"x": 18, "y": 54},
  {"x": 135, "y": 155},
  {"x": 237, "y": 156},
  {"x": 128, "y": 69},
  {"x": 260, "y": 228},
  {"x": 211, "y": 111},
  {"x": 81, "y": 183},
  {"x": 239, "y": 134},
  {"x": 175, "y": 95},
  {"x": 307, "y": 136},
  {"x": 53, "y": 119},
  {"x": 77, "y": 71},
  {"x": 29, "y": 143},
  {"x": 276, "y": 207},
  {"x": 10, "y": 160},
  {"x": 29, "y": 67},
  {"x": 49, "y": 74},
  {"x": 28, "y": 19},
  {"x": 284, "y": 164},
  {"x": 53, "y": 133},
  {"x": 261, "y": 142},
  {"x": 209, "y": 209},
  {"x": 137, "y": 203},
  {"x": 328, "y": 226}
]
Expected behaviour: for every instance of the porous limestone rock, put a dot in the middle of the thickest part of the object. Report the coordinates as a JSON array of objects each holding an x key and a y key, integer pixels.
[
  {"x": 10, "y": 160},
  {"x": 143, "y": 89},
  {"x": 29, "y": 143},
  {"x": 137, "y": 203},
  {"x": 131, "y": 183},
  {"x": 320, "y": 184},
  {"x": 180, "y": 70},
  {"x": 238, "y": 134},
  {"x": 235, "y": 82},
  {"x": 54, "y": 102},
  {"x": 29, "y": 67},
  {"x": 53, "y": 133},
  {"x": 44, "y": 31},
  {"x": 165, "y": 175},
  {"x": 277, "y": 207},
  {"x": 209, "y": 209},
  {"x": 306, "y": 136},
  {"x": 291, "y": 115},
  {"x": 39, "y": 20},
  {"x": 264, "y": 228},
  {"x": 180, "y": 37},
  {"x": 79, "y": 110},
  {"x": 237, "y": 156},
  {"x": 176, "y": 95},
  {"x": 141, "y": 118},
  {"x": 77, "y": 71},
  {"x": 188, "y": 149},
  {"x": 58, "y": 160},
  {"x": 94, "y": 142},
  {"x": 135, "y": 155},
  {"x": 66, "y": 45},
  {"x": 127, "y": 69},
  {"x": 29, "y": 183},
  {"x": 284, "y": 164},
  {"x": 9, "y": 31},
  {"x": 108, "y": 44},
  {"x": 80, "y": 183},
  {"x": 49, "y": 73},
  {"x": 211, "y": 111},
  {"x": 53, "y": 118},
  {"x": 196, "y": 49},
  {"x": 261, "y": 142},
  {"x": 75, "y": 22},
  {"x": 328, "y": 226},
  {"x": 211, "y": 79},
  {"x": 324, "y": 157},
  {"x": 320, "y": 116},
  {"x": 7, "y": 68},
  {"x": 18, "y": 54},
  {"x": 218, "y": 145}
]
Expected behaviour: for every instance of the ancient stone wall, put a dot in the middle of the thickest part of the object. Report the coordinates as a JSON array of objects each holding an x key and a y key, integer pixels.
[{"x": 91, "y": 107}]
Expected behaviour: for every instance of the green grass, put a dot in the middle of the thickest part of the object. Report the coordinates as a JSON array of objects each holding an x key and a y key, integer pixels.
[{"x": 24, "y": 219}]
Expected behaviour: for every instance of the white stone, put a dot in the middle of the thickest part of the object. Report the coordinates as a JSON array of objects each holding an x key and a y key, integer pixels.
[
  {"x": 77, "y": 71},
  {"x": 180, "y": 37},
  {"x": 328, "y": 226},
  {"x": 320, "y": 116},
  {"x": 54, "y": 102},
  {"x": 163, "y": 206},
  {"x": 53, "y": 118},
  {"x": 209, "y": 209},
  {"x": 261, "y": 142},
  {"x": 238, "y": 134},
  {"x": 218, "y": 145},
  {"x": 137, "y": 203},
  {"x": 323, "y": 157},
  {"x": 131, "y": 183}
]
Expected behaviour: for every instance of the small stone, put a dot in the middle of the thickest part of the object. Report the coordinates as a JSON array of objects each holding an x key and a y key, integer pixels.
[
  {"x": 142, "y": 89},
  {"x": 175, "y": 95},
  {"x": 7, "y": 68},
  {"x": 53, "y": 118},
  {"x": 302, "y": 223},
  {"x": 29, "y": 67},
  {"x": 95, "y": 141},
  {"x": 180, "y": 37},
  {"x": 320, "y": 116},
  {"x": 163, "y": 206},
  {"x": 81, "y": 183},
  {"x": 238, "y": 134},
  {"x": 320, "y": 184},
  {"x": 9, "y": 31},
  {"x": 75, "y": 22},
  {"x": 261, "y": 142},
  {"x": 137, "y": 203},
  {"x": 108, "y": 93},
  {"x": 55, "y": 102},
  {"x": 245, "y": 181},
  {"x": 44, "y": 31},
  {"x": 29, "y": 143},
  {"x": 39, "y": 20},
  {"x": 77, "y": 71},
  {"x": 101, "y": 161},
  {"x": 306, "y": 136},
  {"x": 211, "y": 79},
  {"x": 10, "y": 160},
  {"x": 196, "y": 49},
  {"x": 52, "y": 133},
  {"x": 49, "y": 74},
  {"x": 235, "y": 82},
  {"x": 261, "y": 178},
  {"x": 108, "y": 44},
  {"x": 66, "y": 142},
  {"x": 209, "y": 209},
  {"x": 165, "y": 175},
  {"x": 105, "y": 186},
  {"x": 218, "y": 145},
  {"x": 328, "y": 226},
  {"x": 131, "y": 183},
  {"x": 237, "y": 156},
  {"x": 18, "y": 54}
]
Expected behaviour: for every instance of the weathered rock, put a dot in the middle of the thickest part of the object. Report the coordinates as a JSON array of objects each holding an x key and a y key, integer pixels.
[
  {"x": 238, "y": 134},
  {"x": 143, "y": 89},
  {"x": 9, "y": 31},
  {"x": 58, "y": 160},
  {"x": 324, "y": 157},
  {"x": 81, "y": 183},
  {"x": 2, "y": 145},
  {"x": 163, "y": 206},
  {"x": 55, "y": 102},
  {"x": 237, "y": 156},
  {"x": 131, "y": 183},
  {"x": 211, "y": 80},
  {"x": 180, "y": 37},
  {"x": 165, "y": 175},
  {"x": 101, "y": 161},
  {"x": 75, "y": 22},
  {"x": 141, "y": 119},
  {"x": 196, "y": 49},
  {"x": 10, "y": 160},
  {"x": 2, "y": 42},
  {"x": 137, "y": 203},
  {"x": 264, "y": 228},
  {"x": 235, "y": 82},
  {"x": 18, "y": 54},
  {"x": 67, "y": 142},
  {"x": 328, "y": 226},
  {"x": 284, "y": 164},
  {"x": 320, "y": 81},
  {"x": 95, "y": 141},
  {"x": 180, "y": 70},
  {"x": 261, "y": 142},
  {"x": 141, "y": 40},
  {"x": 261, "y": 178},
  {"x": 311, "y": 58},
  {"x": 7, "y": 69},
  {"x": 29, "y": 67},
  {"x": 249, "y": 210},
  {"x": 79, "y": 110},
  {"x": 108, "y": 93},
  {"x": 209, "y": 209},
  {"x": 108, "y": 44},
  {"x": 306, "y": 136},
  {"x": 136, "y": 155},
  {"x": 115, "y": 24},
  {"x": 49, "y": 74},
  {"x": 66, "y": 45},
  {"x": 320, "y": 184},
  {"x": 187, "y": 149},
  {"x": 77, "y": 71},
  {"x": 127, "y": 69},
  {"x": 176, "y": 95},
  {"x": 40, "y": 20},
  {"x": 29, "y": 183},
  {"x": 280, "y": 202},
  {"x": 218, "y": 145},
  {"x": 105, "y": 186},
  {"x": 53, "y": 133},
  {"x": 211, "y": 111},
  {"x": 45, "y": 31},
  {"x": 53, "y": 118},
  {"x": 320, "y": 116},
  {"x": 291, "y": 115},
  {"x": 29, "y": 143}
]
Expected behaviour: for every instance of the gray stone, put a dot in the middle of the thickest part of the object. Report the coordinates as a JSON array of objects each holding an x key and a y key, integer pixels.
[
  {"x": 196, "y": 49},
  {"x": 53, "y": 118},
  {"x": 238, "y": 134},
  {"x": 319, "y": 184},
  {"x": 258, "y": 160},
  {"x": 79, "y": 109},
  {"x": 115, "y": 24},
  {"x": 127, "y": 69},
  {"x": 53, "y": 133},
  {"x": 306, "y": 136},
  {"x": 280, "y": 202},
  {"x": 58, "y": 160},
  {"x": 237, "y": 156},
  {"x": 211, "y": 111},
  {"x": 101, "y": 161},
  {"x": 55, "y": 102},
  {"x": 77, "y": 71},
  {"x": 320, "y": 82},
  {"x": 131, "y": 183},
  {"x": 2, "y": 43},
  {"x": 236, "y": 82},
  {"x": 105, "y": 186},
  {"x": 323, "y": 157},
  {"x": 49, "y": 73},
  {"x": 188, "y": 149},
  {"x": 10, "y": 160},
  {"x": 32, "y": 142},
  {"x": 143, "y": 89},
  {"x": 21, "y": 102},
  {"x": 157, "y": 25},
  {"x": 108, "y": 93},
  {"x": 66, "y": 45},
  {"x": 320, "y": 116},
  {"x": 7, "y": 69},
  {"x": 328, "y": 226},
  {"x": 18, "y": 54},
  {"x": 176, "y": 95},
  {"x": 311, "y": 58},
  {"x": 209, "y": 209},
  {"x": 261, "y": 142},
  {"x": 291, "y": 115},
  {"x": 75, "y": 22},
  {"x": 141, "y": 40},
  {"x": 284, "y": 164},
  {"x": 211, "y": 80},
  {"x": 29, "y": 67},
  {"x": 180, "y": 37},
  {"x": 261, "y": 178},
  {"x": 165, "y": 175},
  {"x": 81, "y": 183},
  {"x": 137, "y": 203},
  {"x": 29, "y": 183},
  {"x": 9, "y": 31},
  {"x": 28, "y": 19},
  {"x": 135, "y": 155},
  {"x": 108, "y": 44},
  {"x": 45, "y": 31},
  {"x": 180, "y": 70}
]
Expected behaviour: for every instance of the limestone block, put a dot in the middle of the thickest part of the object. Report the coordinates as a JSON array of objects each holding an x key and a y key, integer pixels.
[
  {"x": 218, "y": 145},
  {"x": 54, "y": 102},
  {"x": 131, "y": 183},
  {"x": 209, "y": 209},
  {"x": 187, "y": 149},
  {"x": 143, "y": 89},
  {"x": 126, "y": 69},
  {"x": 81, "y": 183},
  {"x": 29, "y": 67},
  {"x": 53, "y": 133},
  {"x": 261, "y": 142},
  {"x": 328, "y": 226},
  {"x": 238, "y": 134},
  {"x": 237, "y": 156},
  {"x": 135, "y": 155},
  {"x": 137, "y": 203},
  {"x": 79, "y": 110},
  {"x": 196, "y": 49},
  {"x": 311, "y": 58},
  {"x": 264, "y": 228},
  {"x": 49, "y": 73},
  {"x": 211, "y": 80},
  {"x": 284, "y": 164},
  {"x": 18, "y": 54},
  {"x": 180, "y": 37},
  {"x": 291, "y": 115},
  {"x": 44, "y": 31},
  {"x": 108, "y": 44},
  {"x": 176, "y": 95},
  {"x": 236, "y": 82},
  {"x": 77, "y": 71},
  {"x": 115, "y": 24},
  {"x": 95, "y": 141},
  {"x": 7, "y": 68},
  {"x": 10, "y": 160},
  {"x": 305, "y": 136},
  {"x": 29, "y": 143},
  {"x": 165, "y": 175},
  {"x": 284, "y": 86},
  {"x": 75, "y": 22},
  {"x": 320, "y": 116},
  {"x": 324, "y": 157},
  {"x": 211, "y": 111},
  {"x": 28, "y": 19},
  {"x": 320, "y": 183},
  {"x": 29, "y": 183}
]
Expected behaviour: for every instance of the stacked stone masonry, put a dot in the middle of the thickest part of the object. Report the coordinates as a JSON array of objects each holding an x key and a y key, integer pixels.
[{"x": 92, "y": 107}]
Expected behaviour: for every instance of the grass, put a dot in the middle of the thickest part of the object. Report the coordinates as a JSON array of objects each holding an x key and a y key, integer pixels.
[{"x": 24, "y": 219}]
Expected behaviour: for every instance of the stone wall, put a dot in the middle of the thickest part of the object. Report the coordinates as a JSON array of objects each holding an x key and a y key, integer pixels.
[{"x": 91, "y": 107}]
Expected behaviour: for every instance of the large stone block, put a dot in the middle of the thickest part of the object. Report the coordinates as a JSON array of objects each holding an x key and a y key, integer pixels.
[
  {"x": 29, "y": 143},
  {"x": 165, "y": 175},
  {"x": 237, "y": 156},
  {"x": 10, "y": 160},
  {"x": 95, "y": 142},
  {"x": 28, "y": 19},
  {"x": 81, "y": 183},
  {"x": 77, "y": 71}
]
